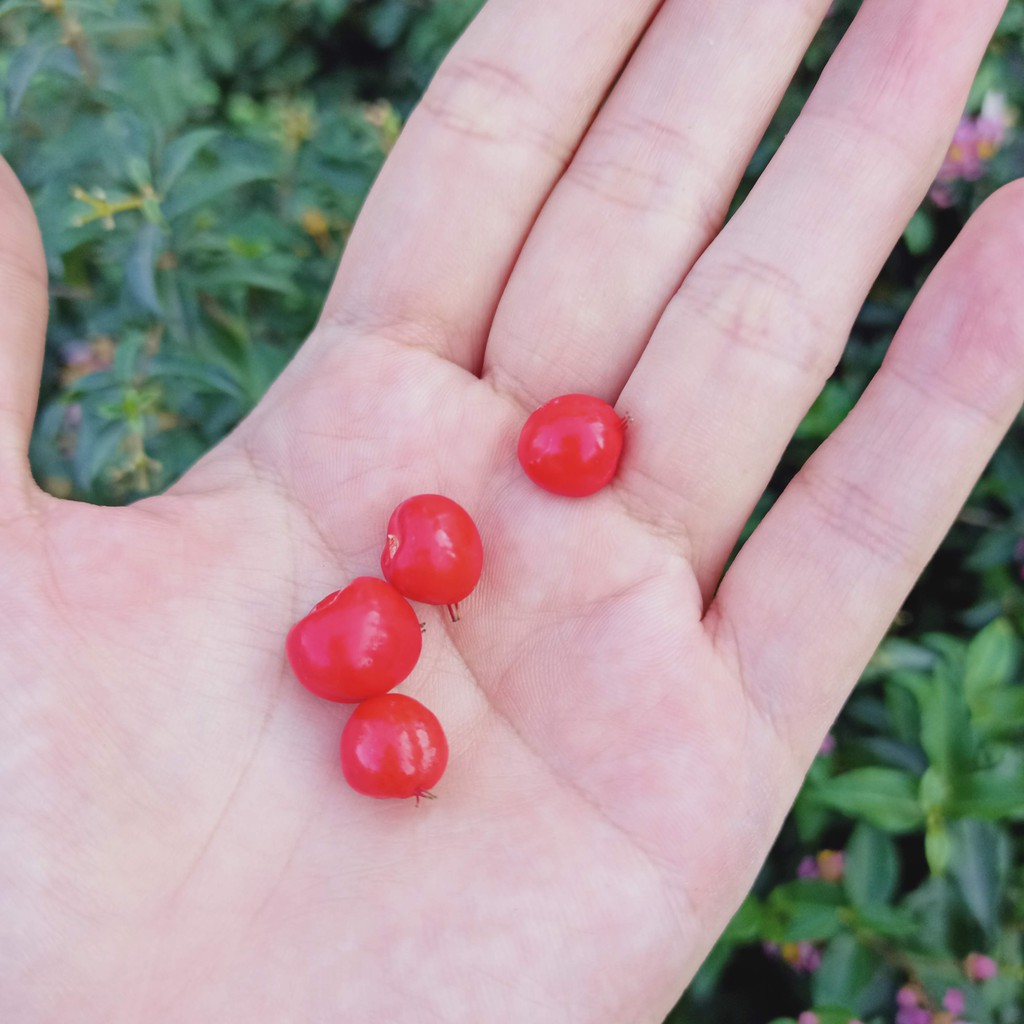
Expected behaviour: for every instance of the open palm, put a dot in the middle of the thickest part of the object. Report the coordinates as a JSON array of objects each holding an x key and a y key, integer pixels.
[{"x": 627, "y": 730}]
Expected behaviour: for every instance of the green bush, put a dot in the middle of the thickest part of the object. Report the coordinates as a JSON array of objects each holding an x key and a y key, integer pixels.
[{"x": 196, "y": 168}]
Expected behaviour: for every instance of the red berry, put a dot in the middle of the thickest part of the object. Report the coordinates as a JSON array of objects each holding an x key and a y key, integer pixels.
[
  {"x": 393, "y": 747},
  {"x": 433, "y": 552},
  {"x": 572, "y": 445},
  {"x": 356, "y": 643}
]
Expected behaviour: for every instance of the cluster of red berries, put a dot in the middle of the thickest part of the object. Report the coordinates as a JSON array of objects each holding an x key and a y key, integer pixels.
[{"x": 359, "y": 643}]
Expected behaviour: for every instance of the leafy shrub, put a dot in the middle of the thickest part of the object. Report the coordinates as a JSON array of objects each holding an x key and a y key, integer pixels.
[{"x": 196, "y": 168}]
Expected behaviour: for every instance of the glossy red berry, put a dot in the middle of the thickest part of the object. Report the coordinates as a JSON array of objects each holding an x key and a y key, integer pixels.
[
  {"x": 393, "y": 747},
  {"x": 572, "y": 445},
  {"x": 433, "y": 551},
  {"x": 356, "y": 643}
]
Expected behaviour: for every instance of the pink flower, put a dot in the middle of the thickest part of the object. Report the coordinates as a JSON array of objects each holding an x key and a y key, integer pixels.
[
  {"x": 803, "y": 957},
  {"x": 808, "y": 868},
  {"x": 954, "y": 1001},
  {"x": 828, "y": 864},
  {"x": 914, "y": 1015},
  {"x": 807, "y": 1017},
  {"x": 908, "y": 999},
  {"x": 979, "y": 967},
  {"x": 832, "y": 865},
  {"x": 84, "y": 357},
  {"x": 942, "y": 195},
  {"x": 828, "y": 746},
  {"x": 976, "y": 141},
  {"x": 963, "y": 159},
  {"x": 807, "y": 959},
  {"x": 907, "y": 996}
]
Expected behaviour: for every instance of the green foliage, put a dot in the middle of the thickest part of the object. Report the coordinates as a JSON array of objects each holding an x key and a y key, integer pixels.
[
  {"x": 197, "y": 168},
  {"x": 932, "y": 866}
]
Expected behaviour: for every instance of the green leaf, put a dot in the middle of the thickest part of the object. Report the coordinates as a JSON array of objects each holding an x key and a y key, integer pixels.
[
  {"x": 200, "y": 376},
  {"x": 845, "y": 972},
  {"x": 705, "y": 982},
  {"x": 945, "y": 725},
  {"x": 999, "y": 713},
  {"x": 933, "y": 791},
  {"x": 833, "y": 1015},
  {"x": 992, "y": 660},
  {"x": 904, "y": 713},
  {"x": 937, "y": 846},
  {"x": 747, "y": 922},
  {"x": 246, "y": 275},
  {"x": 919, "y": 235},
  {"x": 994, "y": 550},
  {"x": 27, "y": 61},
  {"x": 88, "y": 8},
  {"x": 933, "y": 906},
  {"x": 180, "y": 153},
  {"x": 828, "y": 411},
  {"x": 884, "y": 797},
  {"x": 387, "y": 20},
  {"x": 979, "y": 867},
  {"x": 99, "y": 442},
  {"x": 138, "y": 171},
  {"x": 126, "y": 356},
  {"x": 806, "y": 911},
  {"x": 140, "y": 269},
  {"x": 152, "y": 212},
  {"x": 887, "y": 922},
  {"x": 212, "y": 186},
  {"x": 17, "y": 5},
  {"x": 898, "y": 653},
  {"x": 989, "y": 794},
  {"x": 92, "y": 384},
  {"x": 872, "y": 867}
]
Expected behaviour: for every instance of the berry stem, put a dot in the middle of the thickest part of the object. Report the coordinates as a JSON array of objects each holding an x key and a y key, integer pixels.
[{"x": 453, "y": 612}]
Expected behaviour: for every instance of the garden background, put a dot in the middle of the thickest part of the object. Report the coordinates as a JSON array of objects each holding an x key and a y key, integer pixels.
[{"x": 196, "y": 168}]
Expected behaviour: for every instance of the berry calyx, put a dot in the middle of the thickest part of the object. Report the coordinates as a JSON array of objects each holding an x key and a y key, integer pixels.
[
  {"x": 356, "y": 643},
  {"x": 572, "y": 445},
  {"x": 433, "y": 551},
  {"x": 393, "y": 748}
]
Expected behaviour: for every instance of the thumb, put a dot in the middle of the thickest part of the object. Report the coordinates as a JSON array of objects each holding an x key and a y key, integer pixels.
[{"x": 23, "y": 313}]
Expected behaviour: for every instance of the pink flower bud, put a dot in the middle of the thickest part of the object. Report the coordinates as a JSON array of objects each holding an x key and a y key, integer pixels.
[
  {"x": 954, "y": 1001},
  {"x": 808, "y": 868},
  {"x": 831, "y": 865},
  {"x": 907, "y": 997},
  {"x": 979, "y": 967}
]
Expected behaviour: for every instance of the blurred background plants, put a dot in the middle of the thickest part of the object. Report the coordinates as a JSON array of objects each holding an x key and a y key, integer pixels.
[{"x": 197, "y": 167}]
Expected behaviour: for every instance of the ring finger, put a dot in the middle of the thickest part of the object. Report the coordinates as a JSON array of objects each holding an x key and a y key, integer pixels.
[{"x": 760, "y": 322}]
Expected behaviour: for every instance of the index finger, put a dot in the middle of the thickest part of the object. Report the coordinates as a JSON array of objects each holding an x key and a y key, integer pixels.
[
  {"x": 439, "y": 234},
  {"x": 23, "y": 313}
]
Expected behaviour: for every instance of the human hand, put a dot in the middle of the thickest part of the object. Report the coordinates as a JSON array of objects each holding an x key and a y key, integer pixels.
[{"x": 178, "y": 843}]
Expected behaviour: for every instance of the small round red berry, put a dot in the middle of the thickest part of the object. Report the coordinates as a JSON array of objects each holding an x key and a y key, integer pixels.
[
  {"x": 356, "y": 643},
  {"x": 572, "y": 445},
  {"x": 393, "y": 748},
  {"x": 433, "y": 551}
]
